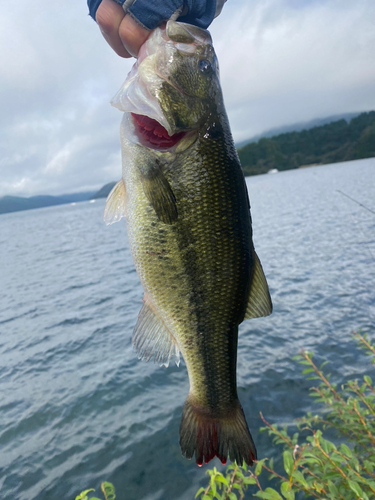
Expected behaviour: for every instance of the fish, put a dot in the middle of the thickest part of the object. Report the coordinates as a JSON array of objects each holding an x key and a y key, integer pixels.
[{"x": 187, "y": 212}]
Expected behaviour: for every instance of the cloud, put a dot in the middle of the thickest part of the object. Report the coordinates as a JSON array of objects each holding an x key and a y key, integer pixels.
[
  {"x": 58, "y": 132},
  {"x": 281, "y": 62},
  {"x": 284, "y": 61}
]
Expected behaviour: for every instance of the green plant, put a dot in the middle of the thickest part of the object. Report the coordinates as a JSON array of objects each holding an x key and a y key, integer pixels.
[
  {"x": 314, "y": 466},
  {"x": 228, "y": 486},
  {"x": 108, "y": 491}
]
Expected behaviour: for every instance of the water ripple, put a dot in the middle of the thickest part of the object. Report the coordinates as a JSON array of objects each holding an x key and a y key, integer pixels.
[{"x": 77, "y": 405}]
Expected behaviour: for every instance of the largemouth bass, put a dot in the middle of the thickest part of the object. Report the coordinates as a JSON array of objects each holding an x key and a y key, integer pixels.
[{"x": 188, "y": 219}]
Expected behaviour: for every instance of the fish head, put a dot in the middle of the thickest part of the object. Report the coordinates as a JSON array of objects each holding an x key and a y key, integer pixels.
[
  {"x": 172, "y": 89},
  {"x": 189, "y": 68}
]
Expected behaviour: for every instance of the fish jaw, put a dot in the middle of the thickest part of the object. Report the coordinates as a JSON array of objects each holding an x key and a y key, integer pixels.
[
  {"x": 138, "y": 93},
  {"x": 135, "y": 95}
]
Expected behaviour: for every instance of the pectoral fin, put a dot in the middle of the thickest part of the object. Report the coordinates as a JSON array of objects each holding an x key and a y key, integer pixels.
[
  {"x": 259, "y": 303},
  {"x": 115, "y": 205},
  {"x": 151, "y": 338},
  {"x": 159, "y": 193}
]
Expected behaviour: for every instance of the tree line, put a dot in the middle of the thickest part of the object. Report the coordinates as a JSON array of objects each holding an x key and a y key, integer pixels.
[{"x": 335, "y": 142}]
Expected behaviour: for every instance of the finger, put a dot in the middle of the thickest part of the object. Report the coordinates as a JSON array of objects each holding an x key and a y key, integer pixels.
[
  {"x": 132, "y": 35},
  {"x": 109, "y": 17}
]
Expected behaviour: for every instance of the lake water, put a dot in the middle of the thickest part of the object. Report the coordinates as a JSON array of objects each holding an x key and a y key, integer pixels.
[{"x": 77, "y": 407}]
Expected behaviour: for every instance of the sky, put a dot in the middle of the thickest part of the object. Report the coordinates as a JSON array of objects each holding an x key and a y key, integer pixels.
[{"x": 281, "y": 62}]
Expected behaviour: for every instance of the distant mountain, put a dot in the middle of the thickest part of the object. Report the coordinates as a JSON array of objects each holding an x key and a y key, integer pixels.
[
  {"x": 334, "y": 142},
  {"x": 104, "y": 191},
  {"x": 17, "y": 203},
  {"x": 297, "y": 127}
]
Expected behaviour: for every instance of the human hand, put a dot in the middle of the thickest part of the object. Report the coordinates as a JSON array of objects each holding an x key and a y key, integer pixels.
[
  {"x": 123, "y": 34},
  {"x": 126, "y": 36}
]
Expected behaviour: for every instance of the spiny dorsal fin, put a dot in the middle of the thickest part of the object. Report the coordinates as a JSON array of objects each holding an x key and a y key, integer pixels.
[
  {"x": 151, "y": 338},
  {"x": 159, "y": 193},
  {"x": 115, "y": 205},
  {"x": 259, "y": 303}
]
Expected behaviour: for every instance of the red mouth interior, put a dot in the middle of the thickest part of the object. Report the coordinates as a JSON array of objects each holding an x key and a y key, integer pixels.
[{"x": 154, "y": 133}]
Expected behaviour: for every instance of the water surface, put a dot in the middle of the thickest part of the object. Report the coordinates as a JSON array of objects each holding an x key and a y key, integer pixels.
[{"x": 78, "y": 407}]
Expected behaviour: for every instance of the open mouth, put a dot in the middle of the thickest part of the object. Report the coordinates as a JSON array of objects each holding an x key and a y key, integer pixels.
[{"x": 155, "y": 135}]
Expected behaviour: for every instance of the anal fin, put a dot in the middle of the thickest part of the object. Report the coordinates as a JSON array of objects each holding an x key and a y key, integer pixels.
[
  {"x": 152, "y": 339},
  {"x": 259, "y": 303},
  {"x": 116, "y": 203}
]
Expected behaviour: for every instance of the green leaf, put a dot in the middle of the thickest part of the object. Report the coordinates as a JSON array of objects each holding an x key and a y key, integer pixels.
[
  {"x": 213, "y": 484},
  {"x": 332, "y": 489},
  {"x": 362, "y": 388},
  {"x": 305, "y": 362},
  {"x": 258, "y": 468},
  {"x": 288, "y": 462},
  {"x": 312, "y": 461},
  {"x": 249, "y": 480},
  {"x": 318, "y": 434},
  {"x": 108, "y": 490},
  {"x": 299, "y": 477},
  {"x": 239, "y": 474},
  {"x": 327, "y": 446},
  {"x": 232, "y": 496},
  {"x": 368, "y": 380},
  {"x": 83, "y": 494},
  {"x": 221, "y": 479},
  {"x": 307, "y": 370},
  {"x": 207, "y": 497},
  {"x": 201, "y": 490},
  {"x": 346, "y": 450},
  {"x": 356, "y": 488},
  {"x": 369, "y": 466},
  {"x": 269, "y": 494},
  {"x": 286, "y": 491}
]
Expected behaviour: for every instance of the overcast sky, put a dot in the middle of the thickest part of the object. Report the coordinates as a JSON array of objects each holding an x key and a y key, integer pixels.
[{"x": 281, "y": 62}]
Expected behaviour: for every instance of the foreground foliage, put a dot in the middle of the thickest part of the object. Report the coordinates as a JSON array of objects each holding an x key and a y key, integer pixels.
[
  {"x": 108, "y": 491},
  {"x": 313, "y": 464}
]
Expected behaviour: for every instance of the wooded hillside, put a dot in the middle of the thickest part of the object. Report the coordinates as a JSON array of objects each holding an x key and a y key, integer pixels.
[{"x": 331, "y": 143}]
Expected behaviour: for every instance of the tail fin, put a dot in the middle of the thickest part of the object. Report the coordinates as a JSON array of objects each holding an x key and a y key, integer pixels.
[{"x": 207, "y": 434}]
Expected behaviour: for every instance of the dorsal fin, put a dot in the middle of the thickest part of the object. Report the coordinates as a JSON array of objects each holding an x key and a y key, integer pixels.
[
  {"x": 259, "y": 303},
  {"x": 151, "y": 338},
  {"x": 115, "y": 205}
]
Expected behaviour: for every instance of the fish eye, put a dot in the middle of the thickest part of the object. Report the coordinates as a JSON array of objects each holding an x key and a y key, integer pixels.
[{"x": 204, "y": 65}]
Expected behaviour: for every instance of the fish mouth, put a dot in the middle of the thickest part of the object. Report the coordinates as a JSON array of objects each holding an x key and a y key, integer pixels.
[
  {"x": 144, "y": 131},
  {"x": 153, "y": 135}
]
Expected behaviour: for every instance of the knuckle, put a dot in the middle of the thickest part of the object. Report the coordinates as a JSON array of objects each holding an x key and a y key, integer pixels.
[
  {"x": 124, "y": 33},
  {"x": 104, "y": 20}
]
